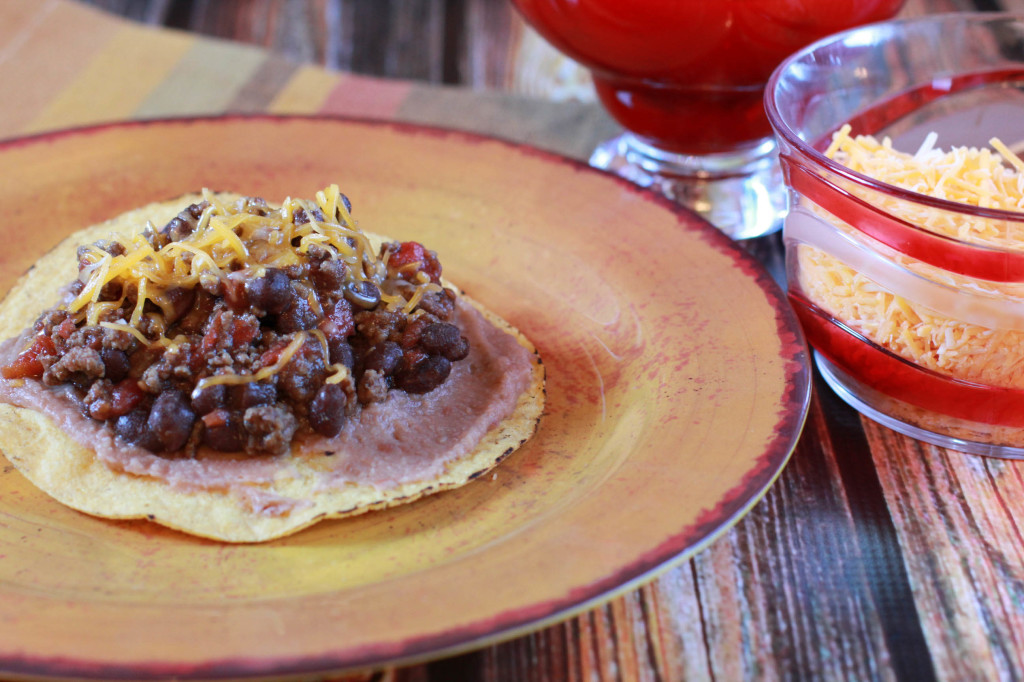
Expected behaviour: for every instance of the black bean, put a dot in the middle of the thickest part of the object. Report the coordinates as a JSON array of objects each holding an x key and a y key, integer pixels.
[
  {"x": 363, "y": 294},
  {"x": 441, "y": 338},
  {"x": 348, "y": 203},
  {"x": 327, "y": 411},
  {"x": 383, "y": 358},
  {"x": 116, "y": 364},
  {"x": 209, "y": 399},
  {"x": 181, "y": 302},
  {"x": 224, "y": 431},
  {"x": 251, "y": 394},
  {"x": 272, "y": 292},
  {"x": 171, "y": 420},
  {"x": 299, "y": 387},
  {"x": 341, "y": 352},
  {"x": 130, "y": 426},
  {"x": 133, "y": 428},
  {"x": 425, "y": 375},
  {"x": 438, "y": 335},
  {"x": 298, "y": 317},
  {"x": 194, "y": 321}
]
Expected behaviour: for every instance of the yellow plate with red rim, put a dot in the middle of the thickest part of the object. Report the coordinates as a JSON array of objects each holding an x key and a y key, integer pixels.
[{"x": 678, "y": 382}]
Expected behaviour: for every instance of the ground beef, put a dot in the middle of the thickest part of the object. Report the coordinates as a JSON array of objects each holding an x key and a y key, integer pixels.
[
  {"x": 270, "y": 428},
  {"x": 97, "y": 338},
  {"x": 114, "y": 248},
  {"x": 99, "y": 401},
  {"x": 183, "y": 224},
  {"x": 377, "y": 326},
  {"x": 440, "y": 304},
  {"x": 81, "y": 360},
  {"x": 155, "y": 377},
  {"x": 50, "y": 319},
  {"x": 372, "y": 387}
]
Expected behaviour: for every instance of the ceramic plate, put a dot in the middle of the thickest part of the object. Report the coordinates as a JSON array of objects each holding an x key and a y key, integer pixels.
[{"x": 677, "y": 386}]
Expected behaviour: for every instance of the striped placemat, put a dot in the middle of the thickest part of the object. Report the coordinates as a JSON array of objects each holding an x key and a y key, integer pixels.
[{"x": 63, "y": 64}]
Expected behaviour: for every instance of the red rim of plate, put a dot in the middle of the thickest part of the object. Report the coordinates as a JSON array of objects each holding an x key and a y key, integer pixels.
[{"x": 682, "y": 545}]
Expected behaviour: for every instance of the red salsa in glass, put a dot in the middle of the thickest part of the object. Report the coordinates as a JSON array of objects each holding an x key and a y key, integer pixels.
[{"x": 688, "y": 76}]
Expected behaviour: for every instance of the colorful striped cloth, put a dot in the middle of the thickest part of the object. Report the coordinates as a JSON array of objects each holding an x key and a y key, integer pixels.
[{"x": 63, "y": 64}]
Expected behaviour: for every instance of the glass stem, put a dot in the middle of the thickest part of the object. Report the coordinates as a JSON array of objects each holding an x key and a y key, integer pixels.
[{"x": 741, "y": 193}]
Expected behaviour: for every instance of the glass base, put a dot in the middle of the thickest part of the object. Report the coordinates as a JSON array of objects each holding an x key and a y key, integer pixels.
[
  {"x": 740, "y": 193},
  {"x": 879, "y": 407}
]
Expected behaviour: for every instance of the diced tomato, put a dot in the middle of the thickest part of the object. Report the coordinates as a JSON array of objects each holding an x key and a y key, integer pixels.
[
  {"x": 218, "y": 417},
  {"x": 413, "y": 330},
  {"x": 273, "y": 354},
  {"x": 234, "y": 294},
  {"x": 233, "y": 333},
  {"x": 126, "y": 396},
  {"x": 244, "y": 331},
  {"x": 194, "y": 358},
  {"x": 27, "y": 364},
  {"x": 338, "y": 323},
  {"x": 410, "y": 253},
  {"x": 65, "y": 328}
]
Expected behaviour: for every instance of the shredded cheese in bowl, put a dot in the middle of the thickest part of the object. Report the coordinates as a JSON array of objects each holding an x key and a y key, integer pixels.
[
  {"x": 967, "y": 328},
  {"x": 965, "y": 175}
]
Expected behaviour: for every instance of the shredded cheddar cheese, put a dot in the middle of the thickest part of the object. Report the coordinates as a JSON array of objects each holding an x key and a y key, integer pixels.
[
  {"x": 230, "y": 242},
  {"x": 936, "y": 336},
  {"x": 966, "y": 175}
]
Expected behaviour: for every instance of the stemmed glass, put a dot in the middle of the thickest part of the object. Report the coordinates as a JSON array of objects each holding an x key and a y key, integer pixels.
[{"x": 686, "y": 79}]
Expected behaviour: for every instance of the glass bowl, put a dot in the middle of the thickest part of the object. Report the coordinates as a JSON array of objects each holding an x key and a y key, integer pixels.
[{"x": 914, "y": 304}]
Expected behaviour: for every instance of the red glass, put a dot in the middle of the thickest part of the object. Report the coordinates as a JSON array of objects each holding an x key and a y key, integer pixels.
[
  {"x": 829, "y": 187},
  {"x": 897, "y": 378},
  {"x": 957, "y": 77},
  {"x": 688, "y": 76}
]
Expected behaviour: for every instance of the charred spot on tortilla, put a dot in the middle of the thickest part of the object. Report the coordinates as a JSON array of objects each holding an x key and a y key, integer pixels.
[{"x": 213, "y": 349}]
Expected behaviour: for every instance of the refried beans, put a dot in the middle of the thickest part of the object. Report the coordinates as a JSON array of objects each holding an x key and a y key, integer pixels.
[
  {"x": 236, "y": 339},
  {"x": 406, "y": 438}
]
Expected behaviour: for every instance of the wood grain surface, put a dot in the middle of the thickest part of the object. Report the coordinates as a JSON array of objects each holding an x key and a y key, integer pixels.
[{"x": 874, "y": 557}]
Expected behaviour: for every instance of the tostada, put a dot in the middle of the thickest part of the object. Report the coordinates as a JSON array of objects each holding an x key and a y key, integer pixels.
[{"x": 240, "y": 371}]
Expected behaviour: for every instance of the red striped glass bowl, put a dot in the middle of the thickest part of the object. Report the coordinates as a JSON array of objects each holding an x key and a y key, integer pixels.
[{"x": 919, "y": 329}]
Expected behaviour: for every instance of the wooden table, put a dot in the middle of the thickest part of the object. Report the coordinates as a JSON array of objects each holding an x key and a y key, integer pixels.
[{"x": 873, "y": 557}]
